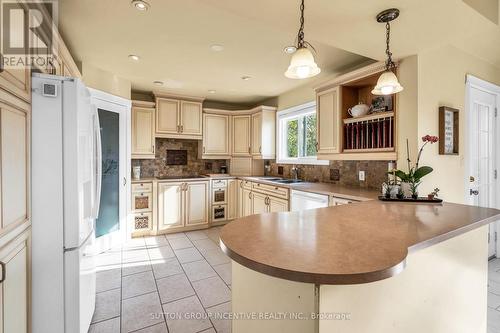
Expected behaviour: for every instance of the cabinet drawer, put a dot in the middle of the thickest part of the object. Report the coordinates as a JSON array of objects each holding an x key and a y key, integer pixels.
[
  {"x": 335, "y": 201},
  {"x": 280, "y": 192},
  {"x": 142, "y": 187},
  {"x": 142, "y": 221},
  {"x": 217, "y": 183},
  {"x": 142, "y": 202},
  {"x": 246, "y": 184}
]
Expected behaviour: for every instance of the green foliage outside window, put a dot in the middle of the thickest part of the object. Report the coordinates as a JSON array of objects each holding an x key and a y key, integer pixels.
[{"x": 301, "y": 136}]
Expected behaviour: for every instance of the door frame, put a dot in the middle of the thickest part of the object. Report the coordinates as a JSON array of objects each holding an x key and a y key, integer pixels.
[
  {"x": 488, "y": 87},
  {"x": 122, "y": 106}
]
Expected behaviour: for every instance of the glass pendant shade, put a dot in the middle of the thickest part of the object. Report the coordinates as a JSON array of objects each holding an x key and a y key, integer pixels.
[
  {"x": 302, "y": 65},
  {"x": 387, "y": 84}
]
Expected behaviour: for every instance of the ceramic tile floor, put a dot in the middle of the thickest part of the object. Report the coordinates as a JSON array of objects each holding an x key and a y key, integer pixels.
[
  {"x": 494, "y": 296},
  {"x": 175, "y": 275}
]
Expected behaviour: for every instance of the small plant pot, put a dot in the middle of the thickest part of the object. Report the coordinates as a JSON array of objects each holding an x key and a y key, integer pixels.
[
  {"x": 414, "y": 196},
  {"x": 430, "y": 196},
  {"x": 388, "y": 195},
  {"x": 400, "y": 196}
]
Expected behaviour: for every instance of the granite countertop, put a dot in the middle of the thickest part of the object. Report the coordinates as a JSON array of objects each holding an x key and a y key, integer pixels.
[
  {"x": 349, "y": 244},
  {"x": 346, "y": 192},
  {"x": 183, "y": 178}
]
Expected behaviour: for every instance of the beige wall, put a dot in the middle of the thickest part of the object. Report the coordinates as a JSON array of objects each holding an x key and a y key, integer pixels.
[
  {"x": 97, "y": 78},
  {"x": 441, "y": 82}
]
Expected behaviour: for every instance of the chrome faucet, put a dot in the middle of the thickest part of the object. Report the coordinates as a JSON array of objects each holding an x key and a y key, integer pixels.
[{"x": 295, "y": 172}]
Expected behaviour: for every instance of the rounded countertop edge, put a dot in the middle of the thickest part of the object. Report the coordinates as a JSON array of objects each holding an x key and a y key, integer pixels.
[{"x": 315, "y": 278}]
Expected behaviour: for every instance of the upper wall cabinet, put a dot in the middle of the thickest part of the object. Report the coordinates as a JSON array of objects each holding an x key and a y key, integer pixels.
[
  {"x": 216, "y": 136},
  {"x": 178, "y": 117},
  {"x": 343, "y": 136},
  {"x": 241, "y": 143},
  {"x": 263, "y": 133},
  {"x": 143, "y": 129}
]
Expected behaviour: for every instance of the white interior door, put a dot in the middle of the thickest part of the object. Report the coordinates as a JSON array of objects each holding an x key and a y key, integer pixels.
[{"x": 483, "y": 147}]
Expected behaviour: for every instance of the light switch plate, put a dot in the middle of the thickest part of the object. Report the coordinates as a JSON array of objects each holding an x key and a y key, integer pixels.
[{"x": 362, "y": 176}]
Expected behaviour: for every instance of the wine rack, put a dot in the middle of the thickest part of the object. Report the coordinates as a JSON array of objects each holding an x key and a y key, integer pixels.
[{"x": 372, "y": 133}]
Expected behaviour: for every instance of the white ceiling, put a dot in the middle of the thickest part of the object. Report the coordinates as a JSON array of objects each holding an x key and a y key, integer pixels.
[{"x": 174, "y": 36}]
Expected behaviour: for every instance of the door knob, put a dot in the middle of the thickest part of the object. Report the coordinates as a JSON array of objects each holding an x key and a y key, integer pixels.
[{"x": 474, "y": 192}]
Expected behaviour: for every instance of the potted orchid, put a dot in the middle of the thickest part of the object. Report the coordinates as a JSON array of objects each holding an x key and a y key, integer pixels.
[{"x": 412, "y": 179}]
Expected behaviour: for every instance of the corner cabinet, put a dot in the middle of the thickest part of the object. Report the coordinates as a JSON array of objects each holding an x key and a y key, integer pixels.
[
  {"x": 178, "y": 117},
  {"x": 182, "y": 205},
  {"x": 216, "y": 136},
  {"x": 264, "y": 133},
  {"x": 143, "y": 130},
  {"x": 343, "y": 137},
  {"x": 242, "y": 129}
]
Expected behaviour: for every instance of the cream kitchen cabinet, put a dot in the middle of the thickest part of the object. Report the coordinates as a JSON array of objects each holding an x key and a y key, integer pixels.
[
  {"x": 259, "y": 203},
  {"x": 143, "y": 208},
  {"x": 264, "y": 133},
  {"x": 242, "y": 129},
  {"x": 216, "y": 136},
  {"x": 14, "y": 284},
  {"x": 247, "y": 202},
  {"x": 179, "y": 118},
  {"x": 182, "y": 205},
  {"x": 143, "y": 130},
  {"x": 276, "y": 205},
  {"x": 232, "y": 199},
  {"x": 329, "y": 118}
]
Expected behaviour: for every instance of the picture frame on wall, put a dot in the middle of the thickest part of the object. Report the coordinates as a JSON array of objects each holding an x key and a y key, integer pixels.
[{"x": 448, "y": 131}]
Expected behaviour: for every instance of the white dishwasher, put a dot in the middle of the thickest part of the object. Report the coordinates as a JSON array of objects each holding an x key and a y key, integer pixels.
[{"x": 305, "y": 200}]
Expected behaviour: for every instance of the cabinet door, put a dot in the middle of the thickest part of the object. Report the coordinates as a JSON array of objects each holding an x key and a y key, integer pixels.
[
  {"x": 196, "y": 203},
  {"x": 259, "y": 203},
  {"x": 167, "y": 116},
  {"x": 216, "y": 135},
  {"x": 329, "y": 121},
  {"x": 247, "y": 208},
  {"x": 142, "y": 202},
  {"x": 191, "y": 118},
  {"x": 14, "y": 292},
  {"x": 242, "y": 135},
  {"x": 14, "y": 152},
  {"x": 278, "y": 205},
  {"x": 170, "y": 205},
  {"x": 257, "y": 134},
  {"x": 143, "y": 136},
  {"x": 232, "y": 199}
]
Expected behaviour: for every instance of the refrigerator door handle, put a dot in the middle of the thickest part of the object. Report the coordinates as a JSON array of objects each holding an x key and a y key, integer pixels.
[{"x": 98, "y": 157}]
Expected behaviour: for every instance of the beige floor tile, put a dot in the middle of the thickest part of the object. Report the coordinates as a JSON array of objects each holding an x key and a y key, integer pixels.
[
  {"x": 158, "y": 328},
  {"x": 138, "y": 284},
  {"x": 175, "y": 235},
  {"x": 162, "y": 252},
  {"x": 198, "y": 270},
  {"x": 210, "y": 330},
  {"x": 212, "y": 291},
  {"x": 188, "y": 255},
  {"x": 180, "y": 243},
  {"x": 493, "y": 300},
  {"x": 136, "y": 267},
  {"x": 174, "y": 287},
  {"x": 216, "y": 257},
  {"x": 141, "y": 311},
  {"x": 198, "y": 234},
  {"x": 494, "y": 265},
  {"x": 107, "y": 305},
  {"x": 219, "y": 315},
  {"x": 134, "y": 243},
  {"x": 181, "y": 323},
  {"x": 107, "y": 326},
  {"x": 108, "y": 279},
  {"x": 108, "y": 260},
  {"x": 155, "y": 241},
  {"x": 135, "y": 255},
  {"x": 224, "y": 272},
  {"x": 166, "y": 267},
  {"x": 204, "y": 245},
  {"x": 493, "y": 320}
]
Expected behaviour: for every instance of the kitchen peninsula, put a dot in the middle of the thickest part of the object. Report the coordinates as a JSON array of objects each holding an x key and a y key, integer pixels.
[{"x": 365, "y": 267}]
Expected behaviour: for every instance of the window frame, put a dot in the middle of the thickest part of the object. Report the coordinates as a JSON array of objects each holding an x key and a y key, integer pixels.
[{"x": 281, "y": 147}]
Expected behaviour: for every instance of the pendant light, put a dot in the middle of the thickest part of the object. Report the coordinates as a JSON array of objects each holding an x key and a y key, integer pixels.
[
  {"x": 302, "y": 65},
  {"x": 387, "y": 83}
]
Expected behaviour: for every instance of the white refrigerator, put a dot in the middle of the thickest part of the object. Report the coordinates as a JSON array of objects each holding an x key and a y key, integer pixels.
[{"x": 66, "y": 175}]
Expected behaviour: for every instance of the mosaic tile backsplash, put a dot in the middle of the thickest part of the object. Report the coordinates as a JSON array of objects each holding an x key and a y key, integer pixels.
[
  {"x": 338, "y": 172},
  {"x": 158, "y": 167}
]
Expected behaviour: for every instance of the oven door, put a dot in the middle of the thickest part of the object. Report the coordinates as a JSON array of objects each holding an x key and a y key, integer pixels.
[
  {"x": 219, "y": 196},
  {"x": 219, "y": 213}
]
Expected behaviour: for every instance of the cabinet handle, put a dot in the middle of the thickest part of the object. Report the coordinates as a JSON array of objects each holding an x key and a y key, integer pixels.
[
  {"x": 260, "y": 150},
  {"x": 178, "y": 128},
  {"x": 249, "y": 150},
  {"x": 182, "y": 128},
  {"x": 2, "y": 264},
  {"x": 153, "y": 149},
  {"x": 1, "y": 63},
  {"x": 250, "y": 195},
  {"x": 203, "y": 150},
  {"x": 317, "y": 144}
]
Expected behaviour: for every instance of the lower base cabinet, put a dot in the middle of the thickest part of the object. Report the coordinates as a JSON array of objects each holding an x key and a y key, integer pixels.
[
  {"x": 246, "y": 202},
  {"x": 182, "y": 204},
  {"x": 14, "y": 291},
  {"x": 259, "y": 203},
  {"x": 277, "y": 205}
]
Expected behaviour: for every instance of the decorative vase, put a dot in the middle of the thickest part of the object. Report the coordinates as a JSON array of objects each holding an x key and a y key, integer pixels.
[
  {"x": 406, "y": 188},
  {"x": 136, "y": 172}
]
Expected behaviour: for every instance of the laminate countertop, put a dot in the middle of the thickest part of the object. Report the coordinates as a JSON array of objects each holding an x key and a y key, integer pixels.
[{"x": 350, "y": 244}]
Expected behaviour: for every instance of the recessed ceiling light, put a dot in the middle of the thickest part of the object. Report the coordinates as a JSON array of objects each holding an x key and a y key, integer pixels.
[
  {"x": 290, "y": 49},
  {"x": 134, "y": 57},
  {"x": 216, "y": 47},
  {"x": 140, "y": 5},
  {"x": 211, "y": 91},
  {"x": 158, "y": 83},
  {"x": 246, "y": 78}
]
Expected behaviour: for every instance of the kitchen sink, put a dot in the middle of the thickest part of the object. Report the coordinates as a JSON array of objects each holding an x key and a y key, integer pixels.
[{"x": 288, "y": 181}]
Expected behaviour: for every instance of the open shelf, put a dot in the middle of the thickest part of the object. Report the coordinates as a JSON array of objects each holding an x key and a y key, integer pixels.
[{"x": 373, "y": 116}]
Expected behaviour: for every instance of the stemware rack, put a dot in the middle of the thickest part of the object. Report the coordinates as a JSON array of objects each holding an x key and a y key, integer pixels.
[{"x": 370, "y": 133}]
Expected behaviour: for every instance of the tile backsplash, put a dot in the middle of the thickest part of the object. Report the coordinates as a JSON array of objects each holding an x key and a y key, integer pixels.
[
  {"x": 194, "y": 166},
  {"x": 337, "y": 172}
]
